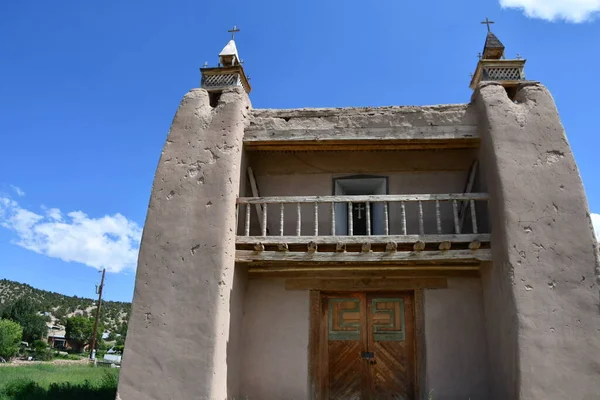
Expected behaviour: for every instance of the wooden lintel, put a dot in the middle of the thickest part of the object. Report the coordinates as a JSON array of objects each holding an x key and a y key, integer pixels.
[
  {"x": 248, "y": 256},
  {"x": 260, "y": 273},
  {"x": 396, "y": 138},
  {"x": 361, "y": 145},
  {"x": 334, "y": 284}
]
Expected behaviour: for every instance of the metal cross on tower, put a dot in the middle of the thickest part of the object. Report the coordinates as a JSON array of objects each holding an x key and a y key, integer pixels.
[
  {"x": 488, "y": 23},
  {"x": 233, "y": 31}
]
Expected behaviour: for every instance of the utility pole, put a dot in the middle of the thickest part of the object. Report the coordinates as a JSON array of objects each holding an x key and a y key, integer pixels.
[{"x": 99, "y": 291}]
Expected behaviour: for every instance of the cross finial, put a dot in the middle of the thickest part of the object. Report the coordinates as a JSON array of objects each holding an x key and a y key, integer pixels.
[
  {"x": 519, "y": 56},
  {"x": 479, "y": 55},
  {"x": 205, "y": 64},
  {"x": 233, "y": 31},
  {"x": 488, "y": 23}
]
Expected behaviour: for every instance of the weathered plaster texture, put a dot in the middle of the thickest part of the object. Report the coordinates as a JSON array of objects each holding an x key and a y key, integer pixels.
[
  {"x": 455, "y": 341},
  {"x": 396, "y": 122},
  {"x": 275, "y": 342},
  {"x": 540, "y": 295},
  {"x": 179, "y": 329}
]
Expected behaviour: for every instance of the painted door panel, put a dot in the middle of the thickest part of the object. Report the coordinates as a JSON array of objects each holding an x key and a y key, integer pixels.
[{"x": 369, "y": 347}]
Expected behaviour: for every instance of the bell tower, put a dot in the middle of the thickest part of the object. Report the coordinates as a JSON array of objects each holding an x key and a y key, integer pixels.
[
  {"x": 493, "y": 65},
  {"x": 228, "y": 73}
]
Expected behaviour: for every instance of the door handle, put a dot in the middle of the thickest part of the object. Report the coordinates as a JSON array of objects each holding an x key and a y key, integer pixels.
[{"x": 373, "y": 362}]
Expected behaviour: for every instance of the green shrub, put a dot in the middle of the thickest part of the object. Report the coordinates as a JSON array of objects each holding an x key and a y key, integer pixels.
[{"x": 10, "y": 338}]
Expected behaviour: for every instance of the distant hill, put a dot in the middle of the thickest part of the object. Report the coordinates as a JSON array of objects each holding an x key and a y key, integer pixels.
[{"x": 58, "y": 307}]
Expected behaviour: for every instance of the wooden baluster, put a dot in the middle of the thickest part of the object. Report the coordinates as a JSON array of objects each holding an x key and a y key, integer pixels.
[
  {"x": 438, "y": 218},
  {"x": 237, "y": 217},
  {"x": 298, "y": 219},
  {"x": 473, "y": 216},
  {"x": 421, "y": 225},
  {"x": 368, "y": 210},
  {"x": 350, "y": 223},
  {"x": 456, "y": 223},
  {"x": 247, "y": 228},
  {"x": 332, "y": 218},
  {"x": 386, "y": 222},
  {"x": 403, "y": 209},
  {"x": 316, "y": 219},
  {"x": 281, "y": 220},
  {"x": 264, "y": 219}
]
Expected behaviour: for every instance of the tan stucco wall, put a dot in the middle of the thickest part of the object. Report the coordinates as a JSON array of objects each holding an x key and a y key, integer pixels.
[
  {"x": 274, "y": 345},
  {"x": 455, "y": 341}
]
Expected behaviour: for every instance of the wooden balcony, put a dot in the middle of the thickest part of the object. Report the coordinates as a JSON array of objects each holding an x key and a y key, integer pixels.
[{"x": 420, "y": 229}]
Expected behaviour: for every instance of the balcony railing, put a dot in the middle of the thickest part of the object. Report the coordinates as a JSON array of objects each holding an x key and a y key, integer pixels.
[{"x": 389, "y": 223}]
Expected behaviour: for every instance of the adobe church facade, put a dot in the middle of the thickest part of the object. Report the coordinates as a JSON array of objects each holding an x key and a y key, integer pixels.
[{"x": 366, "y": 253}]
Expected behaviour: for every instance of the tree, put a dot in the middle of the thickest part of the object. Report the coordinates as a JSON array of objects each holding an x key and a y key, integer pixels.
[
  {"x": 10, "y": 338},
  {"x": 80, "y": 330},
  {"x": 24, "y": 313}
]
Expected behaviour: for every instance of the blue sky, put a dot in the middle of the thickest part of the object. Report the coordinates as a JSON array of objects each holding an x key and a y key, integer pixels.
[{"x": 89, "y": 88}]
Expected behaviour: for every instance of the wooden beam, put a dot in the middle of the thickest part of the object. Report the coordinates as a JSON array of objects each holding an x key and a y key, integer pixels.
[
  {"x": 247, "y": 256},
  {"x": 419, "y": 245},
  {"x": 446, "y": 245},
  {"x": 254, "y": 187},
  {"x": 259, "y": 247},
  {"x": 425, "y": 137},
  {"x": 363, "y": 145},
  {"x": 261, "y": 273},
  {"x": 366, "y": 284},
  {"x": 314, "y": 337},
  {"x": 435, "y": 270},
  {"x": 468, "y": 189},
  {"x": 346, "y": 240},
  {"x": 282, "y": 247},
  {"x": 364, "y": 198},
  {"x": 397, "y": 133}
]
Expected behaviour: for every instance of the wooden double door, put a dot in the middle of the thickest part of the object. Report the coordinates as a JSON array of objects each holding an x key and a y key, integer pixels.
[{"x": 367, "y": 346}]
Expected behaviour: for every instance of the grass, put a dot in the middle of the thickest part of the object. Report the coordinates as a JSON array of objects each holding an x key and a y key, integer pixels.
[{"x": 47, "y": 381}]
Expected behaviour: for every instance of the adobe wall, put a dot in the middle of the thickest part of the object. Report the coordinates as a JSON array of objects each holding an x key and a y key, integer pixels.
[
  {"x": 177, "y": 342},
  {"x": 540, "y": 295},
  {"x": 274, "y": 356},
  {"x": 396, "y": 121},
  {"x": 455, "y": 341}
]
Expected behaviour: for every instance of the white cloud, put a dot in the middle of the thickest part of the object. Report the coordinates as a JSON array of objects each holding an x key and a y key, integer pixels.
[
  {"x": 18, "y": 190},
  {"x": 551, "y": 10},
  {"x": 596, "y": 224},
  {"x": 110, "y": 242}
]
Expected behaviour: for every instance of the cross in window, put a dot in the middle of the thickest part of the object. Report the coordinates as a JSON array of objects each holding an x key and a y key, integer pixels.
[{"x": 359, "y": 208}]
